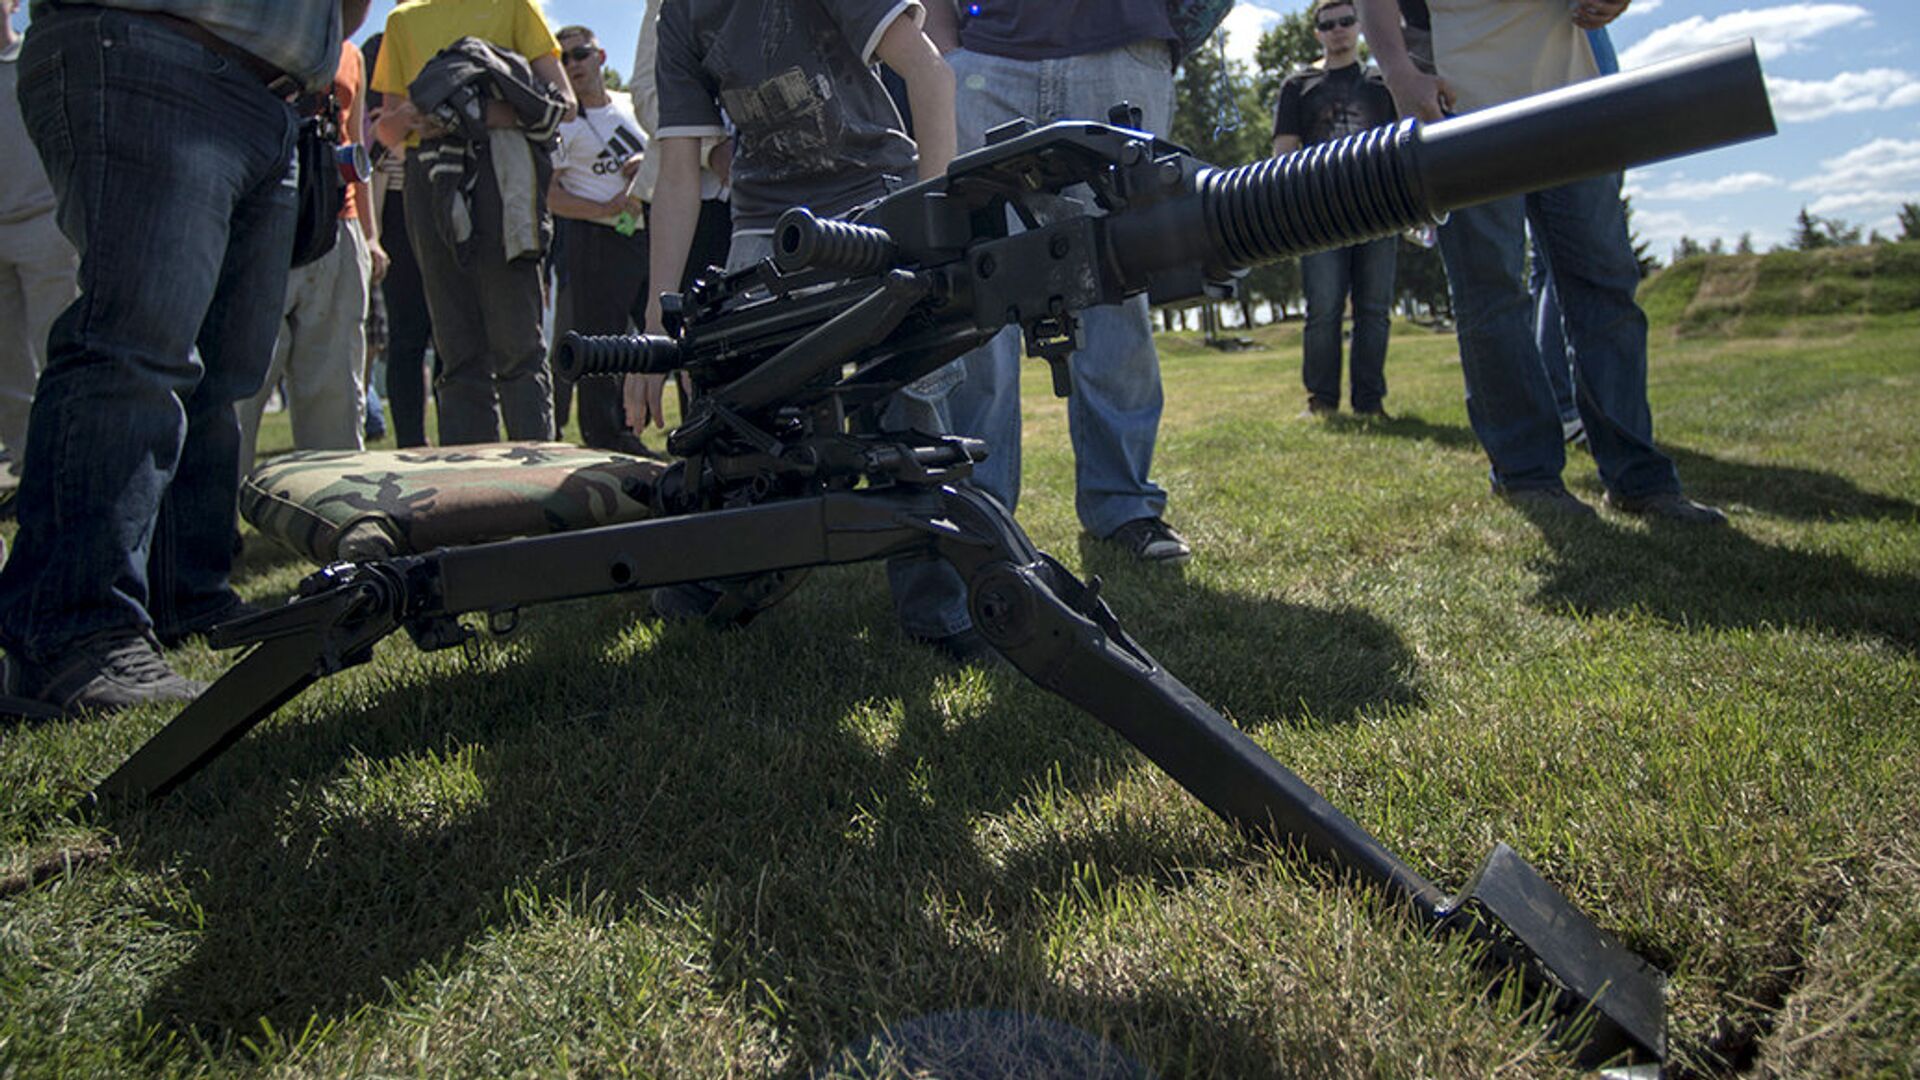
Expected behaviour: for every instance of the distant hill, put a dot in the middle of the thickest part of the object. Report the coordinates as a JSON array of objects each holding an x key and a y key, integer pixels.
[{"x": 1764, "y": 294}]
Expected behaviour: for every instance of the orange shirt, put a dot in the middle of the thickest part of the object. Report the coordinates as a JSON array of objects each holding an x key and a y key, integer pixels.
[{"x": 347, "y": 81}]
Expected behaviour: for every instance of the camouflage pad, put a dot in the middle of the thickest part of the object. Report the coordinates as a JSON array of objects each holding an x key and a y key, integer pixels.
[{"x": 333, "y": 504}]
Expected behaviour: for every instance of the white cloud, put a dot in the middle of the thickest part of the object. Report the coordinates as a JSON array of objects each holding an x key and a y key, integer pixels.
[
  {"x": 1644, "y": 7},
  {"x": 1682, "y": 188},
  {"x": 1880, "y": 165},
  {"x": 1847, "y": 92},
  {"x": 1867, "y": 184},
  {"x": 1776, "y": 31},
  {"x": 1244, "y": 25},
  {"x": 1662, "y": 230}
]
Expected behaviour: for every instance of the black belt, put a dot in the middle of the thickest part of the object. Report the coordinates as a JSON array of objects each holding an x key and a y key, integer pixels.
[{"x": 278, "y": 83}]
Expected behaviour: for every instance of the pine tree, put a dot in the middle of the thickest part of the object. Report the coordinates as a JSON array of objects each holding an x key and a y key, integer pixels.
[
  {"x": 1910, "y": 221},
  {"x": 1641, "y": 252}
]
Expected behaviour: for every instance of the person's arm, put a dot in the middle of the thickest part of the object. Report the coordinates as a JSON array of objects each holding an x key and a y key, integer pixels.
[
  {"x": 1286, "y": 118},
  {"x": 363, "y": 191},
  {"x": 676, "y": 210},
  {"x": 566, "y": 204},
  {"x": 942, "y": 26},
  {"x": 1415, "y": 93},
  {"x": 905, "y": 49},
  {"x": 1594, "y": 14},
  {"x": 548, "y": 67}
]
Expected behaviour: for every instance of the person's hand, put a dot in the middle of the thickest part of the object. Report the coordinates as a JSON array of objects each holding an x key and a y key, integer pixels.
[
  {"x": 377, "y": 257},
  {"x": 631, "y": 166},
  {"x": 1422, "y": 96},
  {"x": 1594, "y": 14},
  {"x": 645, "y": 399},
  {"x": 721, "y": 161}
]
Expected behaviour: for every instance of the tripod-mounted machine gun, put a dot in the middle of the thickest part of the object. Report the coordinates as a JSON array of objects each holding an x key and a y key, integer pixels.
[{"x": 782, "y": 465}]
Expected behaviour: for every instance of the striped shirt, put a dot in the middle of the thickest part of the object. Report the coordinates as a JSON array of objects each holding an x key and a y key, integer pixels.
[{"x": 300, "y": 37}]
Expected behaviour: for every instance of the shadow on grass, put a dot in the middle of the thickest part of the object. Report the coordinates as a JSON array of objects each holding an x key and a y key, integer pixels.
[
  {"x": 1690, "y": 576},
  {"x": 328, "y": 860},
  {"x": 1780, "y": 490}
]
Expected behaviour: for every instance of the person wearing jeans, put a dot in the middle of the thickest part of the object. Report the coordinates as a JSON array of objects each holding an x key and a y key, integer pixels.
[
  {"x": 1053, "y": 62},
  {"x": 1487, "y": 52},
  {"x": 37, "y": 265},
  {"x": 167, "y": 145},
  {"x": 1336, "y": 98}
]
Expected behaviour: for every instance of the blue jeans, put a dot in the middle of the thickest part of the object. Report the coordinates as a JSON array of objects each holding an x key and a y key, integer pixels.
[
  {"x": 1113, "y": 416},
  {"x": 171, "y": 169},
  {"x": 1550, "y": 336},
  {"x": 1583, "y": 230},
  {"x": 1364, "y": 271}
]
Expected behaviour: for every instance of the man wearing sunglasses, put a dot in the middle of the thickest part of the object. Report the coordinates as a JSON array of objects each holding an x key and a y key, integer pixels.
[
  {"x": 1487, "y": 52},
  {"x": 603, "y": 226},
  {"x": 1336, "y": 98}
]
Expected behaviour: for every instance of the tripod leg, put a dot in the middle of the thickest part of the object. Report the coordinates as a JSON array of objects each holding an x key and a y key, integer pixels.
[{"x": 1060, "y": 634}]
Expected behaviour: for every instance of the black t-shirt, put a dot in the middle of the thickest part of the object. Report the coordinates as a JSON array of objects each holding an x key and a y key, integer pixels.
[
  {"x": 1026, "y": 30},
  {"x": 1321, "y": 106},
  {"x": 812, "y": 124}
]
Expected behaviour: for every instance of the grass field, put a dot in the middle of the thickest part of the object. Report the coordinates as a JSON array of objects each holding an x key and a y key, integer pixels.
[{"x": 606, "y": 846}]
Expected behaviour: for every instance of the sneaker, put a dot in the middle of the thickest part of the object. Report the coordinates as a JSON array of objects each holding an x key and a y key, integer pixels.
[
  {"x": 1152, "y": 540},
  {"x": 1377, "y": 412},
  {"x": 1668, "y": 506},
  {"x": 1317, "y": 410},
  {"x": 175, "y": 636},
  {"x": 1557, "y": 500},
  {"x": 1573, "y": 432},
  {"x": 103, "y": 673}
]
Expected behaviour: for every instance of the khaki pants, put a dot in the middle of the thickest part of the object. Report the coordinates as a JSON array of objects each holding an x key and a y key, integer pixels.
[
  {"x": 38, "y": 271},
  {"x": 320, "y": 357}
]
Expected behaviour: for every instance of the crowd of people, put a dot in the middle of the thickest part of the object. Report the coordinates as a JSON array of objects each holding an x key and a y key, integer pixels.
[{"x": 496, "y": 183}]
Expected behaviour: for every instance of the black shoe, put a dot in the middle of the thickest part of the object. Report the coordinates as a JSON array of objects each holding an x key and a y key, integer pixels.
[
  {"x": 1317, "y": 409},
  {"x": 103, "y": 673},
  {"x": 1152, "y": 540},
  {"x": 966, "y": 648},
  {"x": 175, "y": 636},
  {"x": 1376, "y": 412},
  {"x": 1668, "y": 506},
  {"x": 1556, "y": 500}
]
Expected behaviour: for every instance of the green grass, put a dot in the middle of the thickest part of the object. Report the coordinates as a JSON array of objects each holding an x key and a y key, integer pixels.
[{"x": 607, "y": 846}]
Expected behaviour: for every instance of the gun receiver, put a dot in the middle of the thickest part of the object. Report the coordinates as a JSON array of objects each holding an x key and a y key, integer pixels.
[{"x": 784, "y": 468}]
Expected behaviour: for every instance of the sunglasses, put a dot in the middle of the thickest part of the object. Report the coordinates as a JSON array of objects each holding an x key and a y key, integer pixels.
[
  {"x": 1343, "y": 21},
  {"x": 581, "y": 52}
]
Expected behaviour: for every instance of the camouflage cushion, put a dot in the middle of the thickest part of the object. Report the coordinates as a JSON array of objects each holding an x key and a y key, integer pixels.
[{"x": 336, "y": 504}]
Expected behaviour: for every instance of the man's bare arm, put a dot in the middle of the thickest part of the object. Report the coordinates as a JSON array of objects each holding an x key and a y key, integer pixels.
[
  {"x": 907, "y": 50},
  {"x": 1285, "y": 144},
  {"x": 1416, "y": 93}
]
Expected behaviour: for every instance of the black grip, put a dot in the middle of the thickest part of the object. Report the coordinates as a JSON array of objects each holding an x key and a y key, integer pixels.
[
  {"x": 802, "y": 241},
  {"x": 580, "y": 355}
]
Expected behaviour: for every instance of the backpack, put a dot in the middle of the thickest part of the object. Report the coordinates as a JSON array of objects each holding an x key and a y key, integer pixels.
[{"x": 1194, "y": 21}]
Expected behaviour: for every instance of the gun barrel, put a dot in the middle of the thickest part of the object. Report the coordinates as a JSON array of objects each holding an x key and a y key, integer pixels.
[{"x": 1408, "y": 174}]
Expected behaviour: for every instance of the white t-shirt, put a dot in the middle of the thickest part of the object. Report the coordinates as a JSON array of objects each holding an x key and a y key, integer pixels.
[
  {"x": 1493, "y": 51},
  {"x": 592, "y": 146}
]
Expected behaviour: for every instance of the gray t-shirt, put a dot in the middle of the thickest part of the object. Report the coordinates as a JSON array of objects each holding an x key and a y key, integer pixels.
[
  {"x": 24, "y": 191},
  {"x": 1049, "y": 31},
  {"x": 813, "y": 125}
]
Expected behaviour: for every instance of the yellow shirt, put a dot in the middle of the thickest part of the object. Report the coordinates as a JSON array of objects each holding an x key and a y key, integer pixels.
[
  {"x": 419, "y": 29},
  {"x": 1493, "y": 51}
]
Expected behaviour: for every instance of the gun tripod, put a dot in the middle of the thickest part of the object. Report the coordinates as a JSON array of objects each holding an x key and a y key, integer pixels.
[{"x": 1052, "y": 627}]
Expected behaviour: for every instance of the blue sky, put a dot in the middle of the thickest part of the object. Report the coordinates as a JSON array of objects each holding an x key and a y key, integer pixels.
[{"x": 1844, "y": 76}]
